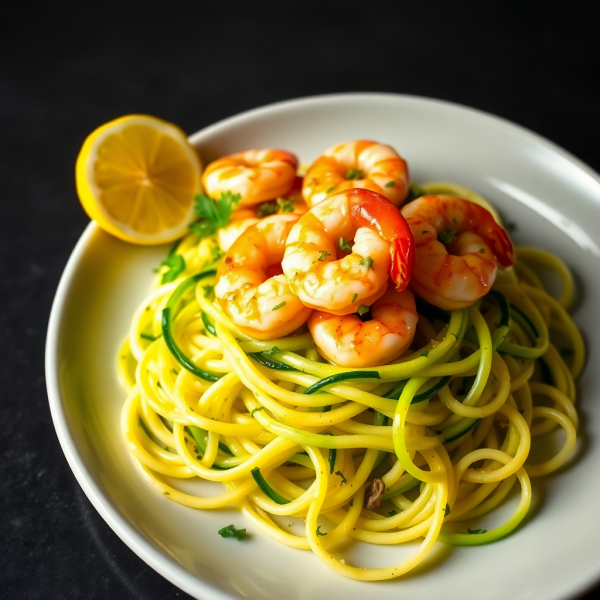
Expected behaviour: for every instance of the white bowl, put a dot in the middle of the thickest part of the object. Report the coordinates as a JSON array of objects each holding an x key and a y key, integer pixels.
[{"x": 555, "y": 201}]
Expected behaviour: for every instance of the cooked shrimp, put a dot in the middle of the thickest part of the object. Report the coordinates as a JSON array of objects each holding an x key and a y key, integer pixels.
[
  {"x": 349, "y": 342},
  {"x": 327, "y": 272},
  {"x": 360, "y": 164},
  {"x": 250, "y": 287},
  {"x": 257, "y": 175},
  {"x": 242, "y": 218},
  {"x": 458, "y": 245}
]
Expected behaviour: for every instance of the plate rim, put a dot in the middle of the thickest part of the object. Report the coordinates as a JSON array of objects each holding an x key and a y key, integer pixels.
[{"x": 161, "y": 562}]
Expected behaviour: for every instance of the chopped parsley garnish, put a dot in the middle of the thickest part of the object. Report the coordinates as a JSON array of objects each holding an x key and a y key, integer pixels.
[
  {"x": 213, "y": 214},
  {"x": 329, "y": 190},
  {"x": 354, "y": 298},
  {"x": 208, "y": 290},
  {"x": 271, "y": 351},
  {"x": 392, "y": 513},
  {"x": 447, "y": 511},
  {"x": 231, "y": 531},
  {"x": 256, "y": 410},
  {"x": 175, "y": 264},
  {"x": 390, "y": 184},
  {"x": 477, "y": 531},
  {"x": 319, "y": 532},
  {"x": 147, "y": 336},
  {"x": 447, "y": 235},
  {"x": 425, "y": 353},
  {"x": 344, "y": 245},
  {"x": 341, "y": 475},
  {"x": 367, "y": 262},
  {"x": 362, "y": 309},
  {"x": 354, "y": 174},
  {"x": 279, "y": 306},
  {"x": 286, "y": 205},
  {"x": 266, "y": 209},
  {"x": 175, "y": 372},
  {"x": 481, "y": 251},
  {"x": 323, "y": 255}
]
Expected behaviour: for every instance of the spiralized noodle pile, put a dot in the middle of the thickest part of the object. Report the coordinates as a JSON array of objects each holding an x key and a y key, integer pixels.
[{"x": 447, "y": 428}]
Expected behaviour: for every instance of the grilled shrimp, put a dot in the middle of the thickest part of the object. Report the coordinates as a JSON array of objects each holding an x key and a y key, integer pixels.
[
  {"x": 257, "y": 175},
  {"x": 340, "y": 254},
  {"x": 250, "y": 287},
  {"x": 458, "y": 245},
  {"x": 347, "y": 341},
  {"x": 360, "y": 164}
]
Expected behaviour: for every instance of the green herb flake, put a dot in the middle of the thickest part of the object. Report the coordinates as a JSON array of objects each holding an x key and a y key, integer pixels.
[
  {"x": 354, "y": 174},
  {"x": 481, "y": 251},
  {"x": 147, "y": 336},
  {"x": 213, "y": 214},
  {"x": 175, "y": 264},
  {"x": 231, "y": 531},
  {"x": 330, "y": 189},
  {"x": 341, "y": 475},
  {"x": 208, "y": 290},
  {"x": 319, "y": 532},
  {"x": 266, "y": 209},
  {"x": 158, "y": 385},
  {"x": 175, "y": 372},
  {"x": 447, "y": 510},
  {"x": 362, "y": 309},
  {"x": 271, "y": 351},
  {"x": 392, "y": 513},
  {"x": 354, "y": 298},
  {"x": 323, "y": 255},
  {"x": 281, "y": 305},
  {"x": 511, "y": 227},
  {"x": 367, "y": 262},
  {"x": 447, "y": 236},
  {"x": 351, "y": 503},
  {"x": 425, "y": 353},
  {"x": 256, "y": 410},
  {"x": 344, "y": 245},
  {"x": 285, "y": 205},
  {"x": 477, "y": 531},
  {"x": 390, "y": 184}
]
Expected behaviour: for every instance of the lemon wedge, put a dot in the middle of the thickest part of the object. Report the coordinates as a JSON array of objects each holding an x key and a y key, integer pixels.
[{"x": 137, "y": 177}]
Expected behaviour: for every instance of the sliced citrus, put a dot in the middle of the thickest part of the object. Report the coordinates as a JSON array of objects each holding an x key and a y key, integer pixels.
[{"x": 137, "y": 177}]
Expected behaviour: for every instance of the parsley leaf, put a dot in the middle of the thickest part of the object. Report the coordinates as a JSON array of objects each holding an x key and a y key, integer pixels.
[
  {"x": 392, "y": 513},
  {"x": 447, "y": 235},
  {"x": 344, "y": 245},
  {"x": 147, "y": 336},
  {"x": 329, "y": 190},
  {"x": 477, "y": 531},
  {"x": 354, "y": 298},
  {"x": 256, "y": 410},
  {"x": 266, "y": 209},
  {"x": 213, "y": 214},
  {"x": 208, "y": 290},
  {"x": 390, "y": 184},
  {"x": 286, "y": 205},
  {"x": 447, "y": 511},
  {"x": 362, "y": 309},
  {"x": 279, "y": 306},
  {"x": 354, "y": 174},
  {"x": 323, "y": 255},
  {"x": 175, "y": 264},
  {"x": 231, "y": 531},
  {"x": 367, "y": 262},
  {"x": 319, "y": 532},
  {"x": 271, "y": 351},
  {"x": 425, "y": 353},
  {"x": 481, "y": 251}
]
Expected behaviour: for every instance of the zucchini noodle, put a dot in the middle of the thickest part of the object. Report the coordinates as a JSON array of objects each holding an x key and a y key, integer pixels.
[{"x": 447, "y": 427}]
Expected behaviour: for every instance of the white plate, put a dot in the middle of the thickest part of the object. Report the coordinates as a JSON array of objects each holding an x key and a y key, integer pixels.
[{"x": 555, "y": 201}]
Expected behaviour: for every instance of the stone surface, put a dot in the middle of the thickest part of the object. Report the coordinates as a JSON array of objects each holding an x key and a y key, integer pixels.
[{"x": 66, "y": 68}]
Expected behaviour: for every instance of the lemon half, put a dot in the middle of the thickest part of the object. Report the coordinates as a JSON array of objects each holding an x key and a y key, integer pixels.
[{"x": 137, "y": 177}]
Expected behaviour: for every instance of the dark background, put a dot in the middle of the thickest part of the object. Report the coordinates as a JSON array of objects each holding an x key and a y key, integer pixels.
[{"x": 67, "y": 68}]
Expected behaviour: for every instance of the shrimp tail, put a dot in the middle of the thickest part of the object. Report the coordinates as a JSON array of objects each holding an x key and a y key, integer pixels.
[
  {"x": 502, "y": 246},
  {"x": 403, "y": 261}
]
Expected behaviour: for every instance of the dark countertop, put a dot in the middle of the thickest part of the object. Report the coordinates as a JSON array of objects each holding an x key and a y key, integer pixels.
[{"x": 67, "y": 68}]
